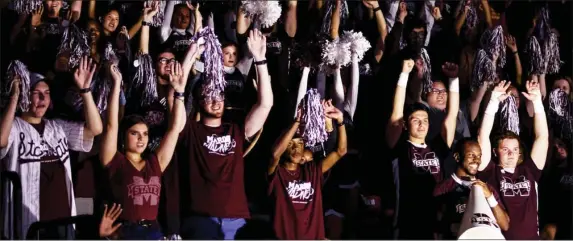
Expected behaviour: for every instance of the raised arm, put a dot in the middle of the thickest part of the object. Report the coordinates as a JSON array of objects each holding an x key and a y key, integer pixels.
[
  {"x": 243, "y": 22},
  {"x": 148, "y": 14},
  {"x": 382, "y": 28},
  {"x": 392, "y": 43},
  {"x": 510, "y": 42},
  {"x": 291, "y": 19},
  {"x": 165, "y": 29},
  {"x": 9, "y": 113},
  {"x": 449, "y": 124},
  {"x": 198, "y": 23},
  {"x": 351, "y": 99},
  {"x": 338, "y": 89},
  {"x": 396, "y": 122},
  {"x": 541, "y": 141},
  {"x": 76, "y": 11},
  {"x": 282, "y": 144},
  {"x": 302, "y": 88},
  {"x": 476, "y": 99},
  {"x": 487, "y": 13},
  {"x": 461, "y": 19},
  {"x": 258, "y": 115},
  {"x": 108, "y": 146},
  {"x": 498, "y": 95},
  {"x": 92, "y": 9},
  {"x": 335, "y": 21},
  {"x": 169, "y": 141},
  {"x": 137, "y": 25},
  {"x": 83, "y": 77},
  {"x": 333, "y": 113}
]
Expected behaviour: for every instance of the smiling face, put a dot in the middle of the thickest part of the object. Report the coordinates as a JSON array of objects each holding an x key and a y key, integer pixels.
[
  {"x": 213, "y": 107},
  {"x": 165, "y": 62},
  {"x": 438, "y": 96},
  {"x": 508, "y": 152},
  {"x": 40, "y": 100},
  {"x": 181, "y": 17},
  {"x": 470, "y": 158},
  {"x": 54, "y": 6},
  {"x": 110, "y": 22},
  {"x": 418, "y": 124},
  {"x": 136, "y": 138},
  {"x": 94, "y": 31}
]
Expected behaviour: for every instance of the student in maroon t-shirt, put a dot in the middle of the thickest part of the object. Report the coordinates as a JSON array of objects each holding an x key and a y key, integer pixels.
[
  {"x": 453, "y": 193},
  {"x": 516, "y": 173},
  {"x": 417, "y": 164},
  {"x": 296, "y": 189},
  {"x": 135, "y": 177},
  {"x": 210, "y": 159}
]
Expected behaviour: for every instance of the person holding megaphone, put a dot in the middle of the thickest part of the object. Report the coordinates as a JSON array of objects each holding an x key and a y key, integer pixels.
[{"x": 453, "y": 193}]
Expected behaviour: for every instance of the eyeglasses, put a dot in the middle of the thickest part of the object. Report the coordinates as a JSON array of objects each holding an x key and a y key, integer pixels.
[
  {"x": 166, "y": 60},
  {"x": 214, "y": 99},
  {"x": 439, "y": 91}
]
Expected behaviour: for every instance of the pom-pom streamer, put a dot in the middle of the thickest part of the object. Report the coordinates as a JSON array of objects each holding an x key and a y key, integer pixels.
[
  {"x": 17, "y": 68},
  {"x": 509, "y": 120},
  {"x": 214, "y": 81},
  {"x": 110, "y": 55},
  {"x": 472, "y": 18},
  {"x": 493, "y": 42},
  {"x": 267, "y": 12},
  {"x": 314, "y": 131},
  {"x": 484, "y": 70},
  {"x": 358, "y": 43},
  {"x": 427, "y": 71},
  {"x": 330, "y": 6},
  {"x": 561, "y": 113},
  {"x": 336, "y": 53},
  {"x": 158, "y": 18},
  {"x": 75, "y": 42},
  {"x": 145, "y": 80},
  {"x": 26, "y": 6}
]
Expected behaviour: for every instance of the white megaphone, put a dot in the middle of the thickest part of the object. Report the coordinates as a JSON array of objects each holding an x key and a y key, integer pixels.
[{"x": 478, "y": 221}]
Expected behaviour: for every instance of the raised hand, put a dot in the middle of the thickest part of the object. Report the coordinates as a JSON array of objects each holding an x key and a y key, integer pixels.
[
  {"x": 115, "y": 73},
  {"x": 371, "y": 4},
  {"x": 407, "y": 66},
  {"x": 15, "y": 87},
  {"x": 176, "y": 79},
  {"x": 510, "y": 43},
  {"x": 37, "y": 16},
  {"x": 84, "y": 73},
  {"x": 533, "y": 91},
  {"x": 332, "y": 112},
  {"x": 500, "y": 91},
  {"x": 257, "y": 43},
  {"x": 402, "y": 11},
  {"x": 436, "y": 13},
  {"x": 150, "y": 10},
  {"x": 450, "y": 70},
  {"x": 106, "y": 227}
]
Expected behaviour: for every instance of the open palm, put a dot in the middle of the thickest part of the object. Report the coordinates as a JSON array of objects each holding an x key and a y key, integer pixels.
[{"x": 106, "y": 227}]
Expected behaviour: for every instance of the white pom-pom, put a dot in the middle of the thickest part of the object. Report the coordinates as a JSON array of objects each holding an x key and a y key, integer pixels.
[
  {"x": 336, "y": 53},
  {"x": 358, "y": 43},
  {"x": 266, "y": 12}
]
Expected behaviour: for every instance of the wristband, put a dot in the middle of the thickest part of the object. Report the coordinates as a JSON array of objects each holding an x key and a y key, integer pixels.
[
  {"x": 455, "y": 85},
  {"x": 492, "y": 107},
  {"x": 538, "y": 107},
  {"x": 403, "y": 80},
  {"x": 376, "y": 9},
  {"x": 178, "y": 94},
  {"x": 86, "y": 90},
  {"x": 491, "y": 201},
  {"x": 144, "y": 23},
  {"x": 262, "y": 62},
  {"x": 341, "y": 123},
  {"x": 515, "y": 52}
]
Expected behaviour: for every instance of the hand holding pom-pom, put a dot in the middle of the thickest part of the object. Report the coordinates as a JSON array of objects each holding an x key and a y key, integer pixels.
[
  {"x": 450, "y": 70},
  {"x": 332, "y": 112},
  {"x": 15, "y": 87}
]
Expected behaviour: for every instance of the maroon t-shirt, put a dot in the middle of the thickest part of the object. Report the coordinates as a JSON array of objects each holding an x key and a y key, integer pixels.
[
  {"x": 452, "y": 197},
  {"x": 211, "y": 160},
  {"x": 297, "y": 199},
  {"x": 138, "y": 191},
  {"x": 518, "y": 192},
  {"x": 54, "y": 200},
  {"x": 417, "y": 170}
]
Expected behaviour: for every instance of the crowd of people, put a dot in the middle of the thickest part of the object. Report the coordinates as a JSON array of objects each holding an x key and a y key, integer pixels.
[{"x": 321, "y": 119}]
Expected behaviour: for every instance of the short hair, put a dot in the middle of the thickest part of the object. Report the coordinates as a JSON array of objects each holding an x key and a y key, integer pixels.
[
  {"x": 509, "y": 135},
  {"x": 460, "y": 146},
  {"x": 409, "y": 110},
  {"x": 413, "y": 23}
]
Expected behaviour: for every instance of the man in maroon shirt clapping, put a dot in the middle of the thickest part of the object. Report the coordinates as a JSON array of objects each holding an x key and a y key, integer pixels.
[{"x": 211, "y": 160}]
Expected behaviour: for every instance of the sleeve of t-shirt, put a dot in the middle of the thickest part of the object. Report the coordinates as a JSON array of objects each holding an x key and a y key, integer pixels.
[
  {"x": 12, "y": 138},
  {"x": 487, "y": 172},
  {"x": 74, "y": 132},
  {"x": 532, "y": 169},
  {"x": 155, "y": 162}
]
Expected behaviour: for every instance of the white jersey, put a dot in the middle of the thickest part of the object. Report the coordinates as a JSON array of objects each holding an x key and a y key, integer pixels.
[{"x": 25, "y": 145}]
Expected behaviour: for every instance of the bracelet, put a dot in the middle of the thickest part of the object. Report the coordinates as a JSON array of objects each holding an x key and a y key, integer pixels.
[
  {"x": 516, "y": 52},
  {"x": 179, "y": 94},
  {"x": 86, "y": 90},
  {"x": 144, "y": 23},
  {"x": 376, "y": 9},
  {"x": 341, "y": 123},
  {"x": 262, "y": 62}
]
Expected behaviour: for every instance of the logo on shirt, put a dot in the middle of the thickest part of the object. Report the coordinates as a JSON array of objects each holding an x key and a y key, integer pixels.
[
  {"x": 220, "y": 145},
  {"x": 483, "y": 219},
  {"x": 521, "y": 187},
  {"x": 141, "y": 192},
  {"x": 234, "y": 85},
  {"x": 300, "y": 192},
  {"x": 567, "y": 180},
  {"x": 461, "y": 208},
  {"x": 429, "y": 162},
  {"x": 182, "y": 44},
  {"x": 33, "y": 150}
]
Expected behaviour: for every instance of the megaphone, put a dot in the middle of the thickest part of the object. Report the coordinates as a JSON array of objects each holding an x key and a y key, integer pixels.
[{"x": 478, "y": 221}]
